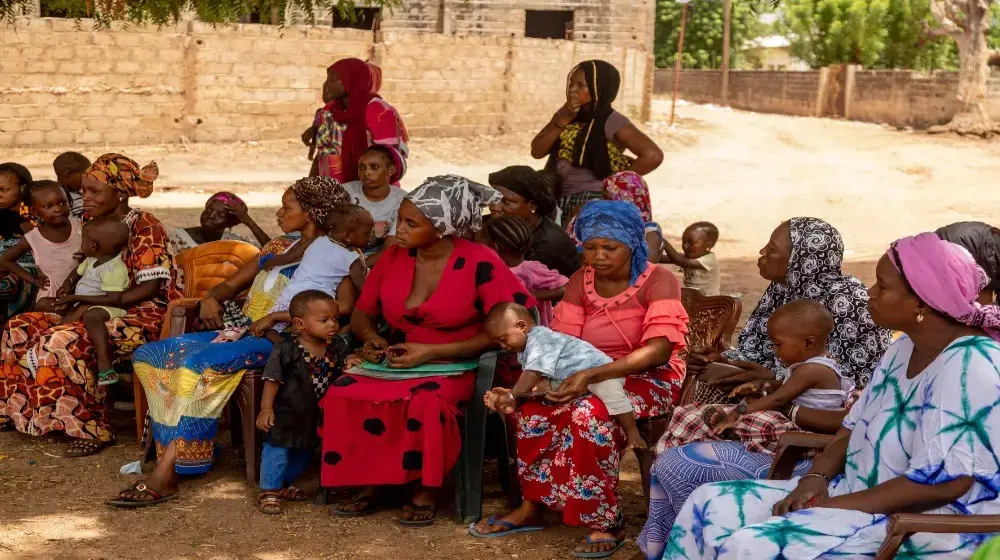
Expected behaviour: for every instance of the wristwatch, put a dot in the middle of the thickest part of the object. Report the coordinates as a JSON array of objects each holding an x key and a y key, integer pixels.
[{"x": 741, "y": 408}]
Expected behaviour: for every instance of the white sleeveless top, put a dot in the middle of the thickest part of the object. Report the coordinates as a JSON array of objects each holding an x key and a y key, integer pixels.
[{"x": 824, "y": 399}]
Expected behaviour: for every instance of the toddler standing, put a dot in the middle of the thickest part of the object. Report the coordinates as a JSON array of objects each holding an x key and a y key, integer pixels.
[
  {"x": 95, "y": 288},
  {"x": 296, "y": 377},
  {"x": 54, "y": 243},
  {"x": 554, "y": 356},
  {"x": 701, "y": 267},
  {"x": 510, "y": 237}
]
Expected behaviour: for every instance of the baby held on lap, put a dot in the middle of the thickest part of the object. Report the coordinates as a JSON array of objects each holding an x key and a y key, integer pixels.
[{"x": 547, "y": 359}]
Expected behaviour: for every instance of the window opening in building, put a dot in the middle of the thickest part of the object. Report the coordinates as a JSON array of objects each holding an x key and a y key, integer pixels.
[
  {"x": 364, "y": 18},
  {"x": 548, "y": 24}
]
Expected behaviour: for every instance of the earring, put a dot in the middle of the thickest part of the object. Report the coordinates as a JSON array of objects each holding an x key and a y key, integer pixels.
[{"x": 920, "y": 317}]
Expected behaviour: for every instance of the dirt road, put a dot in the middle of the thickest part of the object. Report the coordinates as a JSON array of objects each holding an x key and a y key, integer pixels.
[{"x": 745, "y": 172}]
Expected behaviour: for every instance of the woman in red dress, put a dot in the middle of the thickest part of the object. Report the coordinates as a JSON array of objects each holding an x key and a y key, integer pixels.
[
  {"x": 433, "y": 289},
  {"x": 568, "y": 449}
]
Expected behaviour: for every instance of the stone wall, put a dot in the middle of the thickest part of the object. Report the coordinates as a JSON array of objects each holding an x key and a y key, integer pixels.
[
  {"x": 65, "y": 84},
  {"x": 902, "y": 98}
]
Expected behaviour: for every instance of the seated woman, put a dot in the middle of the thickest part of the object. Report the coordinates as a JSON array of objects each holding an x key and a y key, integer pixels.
[
  {"x": 568, "y": 450},
  {"x": 680, "y": 470},
  {"x": 526, "y": 196},
  {"x": 433, "y": 289},
  {"x": 223, "y": 211},
  {"x": 922, "y": 438},
  {"x": 802, "y": 260},
  {"x": 188, "y": 379},
  {"x": 983, "y": 242},
  {"x": 48, "y": 370}
]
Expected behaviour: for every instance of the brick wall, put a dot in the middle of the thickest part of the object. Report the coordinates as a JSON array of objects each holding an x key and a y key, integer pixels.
[
  {"x": 902, "y": 98},
  {"x": 246, "y": 82}
]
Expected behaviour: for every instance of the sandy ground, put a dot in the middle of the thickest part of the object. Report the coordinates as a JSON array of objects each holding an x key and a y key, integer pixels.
[{"x": 746, "y": 172}]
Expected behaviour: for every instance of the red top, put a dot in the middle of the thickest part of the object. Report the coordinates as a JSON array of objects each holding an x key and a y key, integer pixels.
[{"x": 473, "y": 281}]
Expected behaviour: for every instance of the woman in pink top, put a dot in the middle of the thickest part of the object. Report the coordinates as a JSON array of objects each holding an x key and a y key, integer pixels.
[{"x": 570, "y": 448}]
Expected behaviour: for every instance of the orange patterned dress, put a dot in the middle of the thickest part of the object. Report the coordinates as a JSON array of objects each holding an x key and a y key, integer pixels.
[{"x": 47, "y": 380}]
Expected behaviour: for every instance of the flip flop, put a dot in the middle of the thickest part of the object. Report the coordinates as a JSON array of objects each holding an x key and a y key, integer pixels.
[
  {"x": 140, "y": 487},
  {"x": 292, "y": 494},
  {"x": 85, "y": 448},
  {"x": 618, "y": 544},
  {"x": 423, "y": 522},
  {"x": 106, "y": 378},
  {"x": 511, "y": 529}
]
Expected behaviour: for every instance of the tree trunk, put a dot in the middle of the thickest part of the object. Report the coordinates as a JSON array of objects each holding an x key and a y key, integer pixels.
[{"x": 973, "y": 74}]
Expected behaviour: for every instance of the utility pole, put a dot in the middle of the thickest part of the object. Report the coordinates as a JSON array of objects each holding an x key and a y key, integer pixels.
[
  {"x": 727, "y": 12},
  {"x": 677, "y": 62}
]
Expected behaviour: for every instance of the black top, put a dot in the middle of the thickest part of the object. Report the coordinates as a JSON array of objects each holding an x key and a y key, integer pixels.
[
  {"x": 10, "y": 224},
  {"x": 553, "y": 247},
  {"x": 304, "y": 379}
]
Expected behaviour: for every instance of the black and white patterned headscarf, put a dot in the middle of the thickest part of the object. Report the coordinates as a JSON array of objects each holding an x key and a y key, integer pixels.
[
  {"x": 814, "y": 273},
  {"x": 453, "y": 204}
]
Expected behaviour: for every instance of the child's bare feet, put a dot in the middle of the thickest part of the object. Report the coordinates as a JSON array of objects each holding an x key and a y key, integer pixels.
[
  {"x": 633, "y": 440},
  {"x": 500, "y": 400}
]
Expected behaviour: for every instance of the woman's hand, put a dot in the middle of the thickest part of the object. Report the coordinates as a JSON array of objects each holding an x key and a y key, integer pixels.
[
  {"x": 210, "y": 314},
  {"x": 699, "y": 358},
  {"x": 409, "y": 354},
  {"x": 572, "y": 388},
  {"x": 810, "y": 490},
  {"x": 567, "y": 113},
  {"x": 751, "y": 372},
  {"x": 238, "y": 211},
  {"x": 374, "y": 350},
  {"x": 260, "y": 325}
]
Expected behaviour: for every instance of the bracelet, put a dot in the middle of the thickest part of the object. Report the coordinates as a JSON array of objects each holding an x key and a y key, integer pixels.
[
  {"x": 793, "y": 412},
  {"x": 825, "y": 478}
]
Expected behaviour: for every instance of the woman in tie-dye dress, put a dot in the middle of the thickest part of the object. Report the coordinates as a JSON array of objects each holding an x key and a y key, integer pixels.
[{"x": 923, "y": 437}]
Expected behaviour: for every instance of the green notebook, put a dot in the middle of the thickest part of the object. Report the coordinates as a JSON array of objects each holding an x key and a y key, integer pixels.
[{"x": 382, "y": 371}]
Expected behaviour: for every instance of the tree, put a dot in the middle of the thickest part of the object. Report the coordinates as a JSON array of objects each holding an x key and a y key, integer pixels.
[
  {"x": 825, "y": 32},
  {"x": 163, "y": 12},
  {"x": 968, "y": 23},
  {"x": 703, "y": 32}
]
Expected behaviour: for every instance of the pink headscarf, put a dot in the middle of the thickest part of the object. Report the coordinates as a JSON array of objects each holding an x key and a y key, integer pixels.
[{"x": 945, "y": 276}]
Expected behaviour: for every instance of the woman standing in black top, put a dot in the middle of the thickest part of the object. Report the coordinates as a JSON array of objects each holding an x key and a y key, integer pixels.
[{"x": 526, "y": 196}]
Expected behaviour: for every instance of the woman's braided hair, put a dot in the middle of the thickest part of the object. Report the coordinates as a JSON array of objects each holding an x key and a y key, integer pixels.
[{"x": 510, "y": 234}]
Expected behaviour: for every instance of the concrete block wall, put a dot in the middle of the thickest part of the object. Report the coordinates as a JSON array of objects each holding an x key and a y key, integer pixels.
[
  {"x": 65, "y": 85},
  {"x": 901, "y": 98},
  {"x": 62, "y": 84}
]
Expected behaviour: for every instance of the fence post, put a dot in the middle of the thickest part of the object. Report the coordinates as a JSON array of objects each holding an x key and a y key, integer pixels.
[
  {"x": 849, "y": 88},
  {"x": 822, "y": 91}
]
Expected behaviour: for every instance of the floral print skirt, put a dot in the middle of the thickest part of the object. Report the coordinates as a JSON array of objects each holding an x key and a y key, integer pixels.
[{"x": 568, "y": 455}]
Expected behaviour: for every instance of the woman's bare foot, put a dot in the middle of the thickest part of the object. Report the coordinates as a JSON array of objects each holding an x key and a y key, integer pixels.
[
  {"x": 421, "y": 508},
  {"x": 599, "y": 542},
  {"x": 163, "y": 487},
  {"x": 525, "y": 514},
  {"x": 359, "y": 503}
]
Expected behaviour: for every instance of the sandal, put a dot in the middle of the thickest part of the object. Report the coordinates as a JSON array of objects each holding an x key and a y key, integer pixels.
[
  {"x": 509, "y": 529},
  {"x": 415, "y": 509},
  {"x": 85, "y": 448},
  {"x": 371, "y": 506},
  {"x": 269, "y": 503},
  {"x": 604, "y": 554},
  {"x": 293, "y": 494},
  {"x": 154, "y": 497},
  {"x": 106, "y": 378}
]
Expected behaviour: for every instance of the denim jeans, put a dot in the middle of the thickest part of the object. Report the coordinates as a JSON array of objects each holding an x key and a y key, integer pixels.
[{"x": 281, "y": 466}]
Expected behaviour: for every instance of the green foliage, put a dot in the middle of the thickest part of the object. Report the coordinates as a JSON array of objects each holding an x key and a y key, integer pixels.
[
  {"x": 873, "y": 33},
  {"x": 703, "y": 32},
  {"x": 164, "y": 12}
]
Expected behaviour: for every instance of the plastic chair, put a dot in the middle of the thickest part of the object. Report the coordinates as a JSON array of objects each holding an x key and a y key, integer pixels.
[
  {"x": 793, "y": 446},
  {"x": 204, "y": 266}
]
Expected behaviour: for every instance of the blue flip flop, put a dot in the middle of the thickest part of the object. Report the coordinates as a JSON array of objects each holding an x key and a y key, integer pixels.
[
  {"x": 618, "y": 544},
  {"x": 511, "y": 529}
]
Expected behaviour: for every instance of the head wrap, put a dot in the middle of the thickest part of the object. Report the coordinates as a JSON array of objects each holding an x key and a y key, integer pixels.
[
  {"x": 618, "y": 221},
  {"x": 361, "y": 83},
  {"x": 527, "y": 183},
  {"x": 945, "y": 277},
  {"x": 396, "y": 158},
  {"x": 318, "y": 195},
  {"x": 814, "y": 273},
  {"x": 983, "y": 242},
  {"x": 591, "y": 147},
  {"x": 124, "y": 174},
  {"x": 453, "y": 204}
]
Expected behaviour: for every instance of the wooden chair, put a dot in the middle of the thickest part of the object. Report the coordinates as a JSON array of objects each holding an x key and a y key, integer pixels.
[
  {"x": 204, "y": 266},
  {"x": 793, "y": 446},
  {"x": 712, "y": 322}
]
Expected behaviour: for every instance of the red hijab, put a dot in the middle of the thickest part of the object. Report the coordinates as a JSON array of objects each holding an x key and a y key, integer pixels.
[{"x": 361, "y": 81}]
